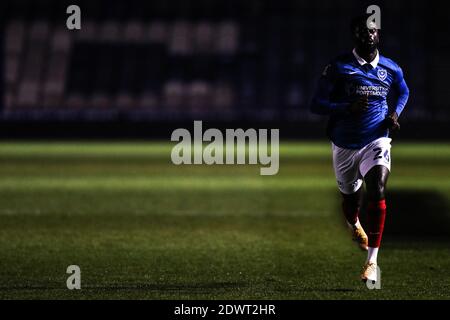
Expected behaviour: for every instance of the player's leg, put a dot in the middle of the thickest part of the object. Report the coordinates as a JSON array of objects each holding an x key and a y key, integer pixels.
[
  {"x": 349, "y": 179},
  {"x": 375, "y": 167},
  {"x": 351, "y": 207},
  {"x": 351, "y": 204},
  {"x": 376, "y": 180}
]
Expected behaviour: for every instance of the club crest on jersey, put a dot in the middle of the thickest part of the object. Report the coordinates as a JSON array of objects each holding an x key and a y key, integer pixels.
[{"x": 382, "y": 74}]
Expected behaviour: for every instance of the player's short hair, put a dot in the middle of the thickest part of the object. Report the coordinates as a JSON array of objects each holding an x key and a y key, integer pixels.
[{"x": 359, "y": 21}]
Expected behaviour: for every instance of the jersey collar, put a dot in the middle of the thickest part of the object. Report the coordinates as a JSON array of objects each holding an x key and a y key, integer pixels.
[{"x": 361, "y": 61}]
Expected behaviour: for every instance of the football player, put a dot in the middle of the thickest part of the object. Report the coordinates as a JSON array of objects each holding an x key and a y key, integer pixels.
[{"x": 352, "y": 92}]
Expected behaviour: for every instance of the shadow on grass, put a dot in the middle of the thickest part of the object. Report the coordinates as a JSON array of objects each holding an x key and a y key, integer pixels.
[
  {"x": 338, "y": 290},
  {"x": 414, "y": 214},
  {"x": 160, "y": 287},
  {"x": 417, "y": 214}
]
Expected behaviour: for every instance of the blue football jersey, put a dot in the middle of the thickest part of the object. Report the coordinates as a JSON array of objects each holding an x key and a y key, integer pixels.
[{"x": 345, "y": 80}]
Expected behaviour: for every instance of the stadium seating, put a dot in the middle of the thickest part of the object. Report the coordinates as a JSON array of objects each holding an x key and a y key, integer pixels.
[{"x": 188, "y": 57}]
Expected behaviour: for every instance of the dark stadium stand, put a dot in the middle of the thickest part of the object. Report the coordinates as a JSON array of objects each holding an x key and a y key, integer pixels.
[{"x": 174, "y": 60}]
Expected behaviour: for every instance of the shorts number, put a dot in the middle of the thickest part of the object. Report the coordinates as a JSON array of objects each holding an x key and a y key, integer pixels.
[
  {"x": 377, "y": 154},
  {"x": 386, "y": 155}
]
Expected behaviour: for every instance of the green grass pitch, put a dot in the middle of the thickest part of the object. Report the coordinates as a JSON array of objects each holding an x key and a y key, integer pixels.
[{"x": 140, "y": 227}]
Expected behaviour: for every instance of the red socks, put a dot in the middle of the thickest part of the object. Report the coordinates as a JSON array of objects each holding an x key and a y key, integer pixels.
[
  {"x": 351, "y": 211},
  {"x": 376, "y": 214}
]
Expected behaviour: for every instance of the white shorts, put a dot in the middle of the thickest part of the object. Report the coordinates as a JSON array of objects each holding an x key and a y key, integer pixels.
[{"x": 350, "y": 166}]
